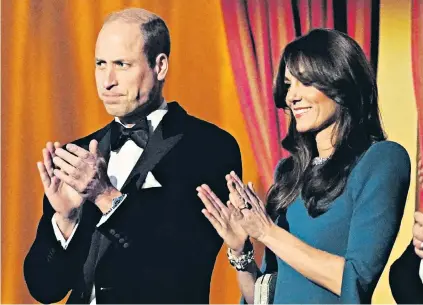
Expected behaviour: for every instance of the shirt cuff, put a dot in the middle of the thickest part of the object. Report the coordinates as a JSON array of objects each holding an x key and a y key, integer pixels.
[
  {"x": 59, "y": 235},
  {"x": 104, "y": 218}
]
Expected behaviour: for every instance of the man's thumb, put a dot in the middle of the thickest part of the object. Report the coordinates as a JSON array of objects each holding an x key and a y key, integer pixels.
[{"x": 94, "y": 147}]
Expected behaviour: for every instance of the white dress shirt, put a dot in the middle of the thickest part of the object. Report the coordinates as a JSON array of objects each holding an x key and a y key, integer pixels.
[
  {"x": 421, "y": 270},
  {"x": 119, "y": 167}
]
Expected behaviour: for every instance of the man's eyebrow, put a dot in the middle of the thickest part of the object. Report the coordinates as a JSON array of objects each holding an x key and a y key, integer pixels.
[
  {"x": 114, "y": 61},
  {"x": 120, "y": 60}
]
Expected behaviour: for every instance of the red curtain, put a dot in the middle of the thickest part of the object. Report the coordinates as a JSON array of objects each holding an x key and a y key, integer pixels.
[
  {"x": 417, "y": 66},
  {"x": 359, "y": 23},
  {"x": 315, "y": 14},
  {"x": 257, "y": 31}
]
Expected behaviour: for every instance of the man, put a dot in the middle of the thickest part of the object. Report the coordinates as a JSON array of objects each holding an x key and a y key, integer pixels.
[
  {"x": 121, "y": 221},
  {"x": 406, "y": 273}
]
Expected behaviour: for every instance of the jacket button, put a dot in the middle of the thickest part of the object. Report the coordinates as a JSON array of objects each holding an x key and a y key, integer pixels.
[
  {"x": 121, "y": 240},
  {"x": 125, "y": 245},
  {"x": 117, "y": 235},
  {"x": 112, "y": 231}
]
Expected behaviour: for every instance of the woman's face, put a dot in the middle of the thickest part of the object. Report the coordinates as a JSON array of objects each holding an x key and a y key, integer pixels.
[{"x": 311, "y": 108}]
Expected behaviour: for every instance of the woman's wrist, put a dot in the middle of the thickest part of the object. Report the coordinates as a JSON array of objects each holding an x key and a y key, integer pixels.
[
  {"x": 241, "y": 259},
  {"x": 267, "y": 235},
  {"x": 241, "y": 250}
]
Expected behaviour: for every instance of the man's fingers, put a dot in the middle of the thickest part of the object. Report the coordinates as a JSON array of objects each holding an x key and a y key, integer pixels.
[
  {"x": 78, "y": 151},
  {"x": 50, "y": 147},
  {"x": 68, "y": 180},
  {"x": 48, "y": 164},
  {"x": 45, "y": 177},
  {"x": 93, "y": 147},
  {"x": 68, "y": 157},
  {"x": 55, "y": 182},
  {"x": 66, "y": 167}
]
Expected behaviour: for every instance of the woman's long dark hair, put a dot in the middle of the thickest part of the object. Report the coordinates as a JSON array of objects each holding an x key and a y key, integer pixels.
[{"x": 335, "y": 64}]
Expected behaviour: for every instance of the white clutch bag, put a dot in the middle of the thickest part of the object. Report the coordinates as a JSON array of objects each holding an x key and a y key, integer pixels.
[{"x": 264, "y": 288}]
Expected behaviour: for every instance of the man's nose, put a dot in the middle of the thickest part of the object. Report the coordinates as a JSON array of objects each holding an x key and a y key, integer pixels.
[{"x": 110, "y": 79}]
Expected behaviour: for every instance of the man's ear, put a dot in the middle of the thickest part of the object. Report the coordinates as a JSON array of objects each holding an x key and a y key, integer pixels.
[{"x": 162, "y": 65}]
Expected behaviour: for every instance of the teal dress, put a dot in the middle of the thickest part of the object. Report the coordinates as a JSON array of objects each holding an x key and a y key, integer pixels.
[{"x": 361, "y": 226}]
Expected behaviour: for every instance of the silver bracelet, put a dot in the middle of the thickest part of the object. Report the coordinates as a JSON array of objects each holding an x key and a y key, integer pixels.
[{"x": 241, "y": 262}]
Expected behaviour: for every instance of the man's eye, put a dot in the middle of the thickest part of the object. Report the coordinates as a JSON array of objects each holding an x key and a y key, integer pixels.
[
  {"x": 100, "y": 64},
  {"x": 122, "y": 65}
]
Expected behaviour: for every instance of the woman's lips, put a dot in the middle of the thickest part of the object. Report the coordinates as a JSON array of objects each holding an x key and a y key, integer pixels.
[{"x": 299, "y": 112}]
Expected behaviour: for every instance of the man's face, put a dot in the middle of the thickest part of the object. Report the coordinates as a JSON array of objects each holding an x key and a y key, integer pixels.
[{"x": 124, "y": 79}]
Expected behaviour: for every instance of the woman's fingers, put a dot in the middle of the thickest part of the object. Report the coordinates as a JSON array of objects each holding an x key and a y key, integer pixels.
[
  {"x": 215, "y": 223},
  {"x": 253, "y": 193},
  {"x": 215, "y": 199},
  {"x": 210, "y": 206}
]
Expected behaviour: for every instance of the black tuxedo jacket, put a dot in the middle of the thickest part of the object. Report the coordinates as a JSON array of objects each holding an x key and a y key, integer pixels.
[
  {"x": 157, "y": 247},
  {"x": 404, "y": 279}
]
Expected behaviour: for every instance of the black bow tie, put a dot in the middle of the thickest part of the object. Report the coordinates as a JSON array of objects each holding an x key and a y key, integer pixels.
[{"x": 138, "y": 133}]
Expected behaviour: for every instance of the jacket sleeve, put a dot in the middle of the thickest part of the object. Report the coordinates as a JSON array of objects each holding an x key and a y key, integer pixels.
[
  {"x": 406, "y": 284},
  {"x": 49, "y": 270}
]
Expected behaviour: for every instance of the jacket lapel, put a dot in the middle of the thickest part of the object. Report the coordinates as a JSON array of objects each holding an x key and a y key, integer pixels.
[
  {"x": 104, "y": 143},
  {"x": 167, "y": 134}
]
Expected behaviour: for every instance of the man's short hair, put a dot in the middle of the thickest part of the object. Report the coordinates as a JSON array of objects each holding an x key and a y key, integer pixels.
[{"x": 153, "y": 28}]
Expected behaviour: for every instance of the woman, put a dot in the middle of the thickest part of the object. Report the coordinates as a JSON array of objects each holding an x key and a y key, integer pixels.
[{"x": 335, "y": 207}]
